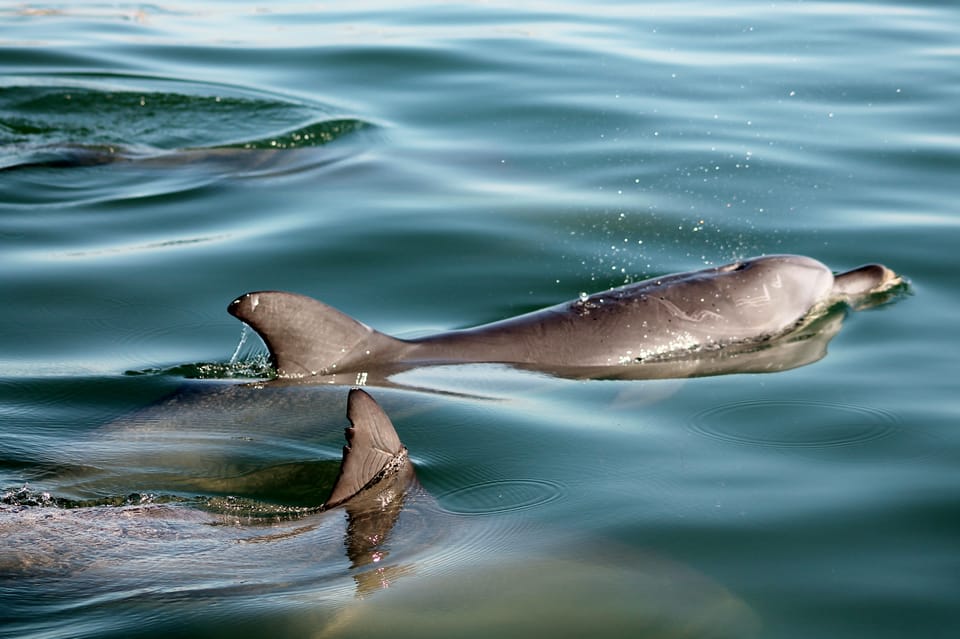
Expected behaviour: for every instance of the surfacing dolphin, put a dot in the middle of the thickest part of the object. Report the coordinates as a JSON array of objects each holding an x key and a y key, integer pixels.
[
  {"x": 373, "y": 482},
  {"x": 92, "y": 571},
  {"x": 679, "y": 325}
]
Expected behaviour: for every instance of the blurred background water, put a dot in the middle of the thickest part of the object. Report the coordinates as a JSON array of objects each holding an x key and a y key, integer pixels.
[{"x": 439, "y": 165}]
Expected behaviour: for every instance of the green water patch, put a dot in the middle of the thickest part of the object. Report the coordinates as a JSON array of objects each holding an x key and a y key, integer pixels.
[{"x": 159, "y": 127}]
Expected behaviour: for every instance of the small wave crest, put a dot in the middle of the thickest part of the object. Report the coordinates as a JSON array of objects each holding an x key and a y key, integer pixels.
[{"x": 159, "y": 136}]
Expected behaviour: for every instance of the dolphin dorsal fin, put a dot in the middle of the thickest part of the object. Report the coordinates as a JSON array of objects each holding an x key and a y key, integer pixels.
[
  {"x": 306, "y": 337},
  {"x": 373, "y": 447}
]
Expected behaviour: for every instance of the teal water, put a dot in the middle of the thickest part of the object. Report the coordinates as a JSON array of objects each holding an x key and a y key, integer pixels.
[{"x": 438, "y": 166}]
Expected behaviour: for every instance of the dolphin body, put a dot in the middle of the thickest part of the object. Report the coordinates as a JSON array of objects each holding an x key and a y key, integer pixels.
[
  {"x": 94, "y": 571},
  {"x": 712, "y": 321},
  {"x": 374, "y": 479}
]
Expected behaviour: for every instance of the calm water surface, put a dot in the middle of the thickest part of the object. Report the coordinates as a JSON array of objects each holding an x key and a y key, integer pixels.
[{"x": 438, "y": 166}]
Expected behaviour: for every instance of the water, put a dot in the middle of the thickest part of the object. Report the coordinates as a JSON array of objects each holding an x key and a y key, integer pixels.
[{"x": 438, "y": 166}]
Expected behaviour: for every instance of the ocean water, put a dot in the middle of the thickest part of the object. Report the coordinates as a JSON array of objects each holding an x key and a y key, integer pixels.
[{"x": 440, "y": 165}]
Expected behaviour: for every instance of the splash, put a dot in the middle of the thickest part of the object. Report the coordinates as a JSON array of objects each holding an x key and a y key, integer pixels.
[
  {"x": 23, "y": 497},
  {"x": 243, "y": 340}
]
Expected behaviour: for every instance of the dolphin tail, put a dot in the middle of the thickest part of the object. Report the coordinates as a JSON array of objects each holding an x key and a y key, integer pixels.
[
  {"x": 373, "y": 449},
  {"x": 855, "y": 286},
  {"x": 306, "y": 337}
]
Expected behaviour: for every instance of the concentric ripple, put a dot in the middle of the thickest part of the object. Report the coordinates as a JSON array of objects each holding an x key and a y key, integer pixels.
[
  {"x": 501, "y": 496},
  {"x": 797, "y": 425}
]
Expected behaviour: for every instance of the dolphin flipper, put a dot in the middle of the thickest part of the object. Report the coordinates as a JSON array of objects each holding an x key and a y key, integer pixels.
[
  {"x": 306, "y": 337},
  {"x": 372, "y": 452}
]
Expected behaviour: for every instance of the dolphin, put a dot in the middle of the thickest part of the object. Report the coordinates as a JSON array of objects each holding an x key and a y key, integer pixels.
[
  {"x": 375, "y": 477},
  {"x": 653, "y": 328},
  {"x": 206, "y": 567}
]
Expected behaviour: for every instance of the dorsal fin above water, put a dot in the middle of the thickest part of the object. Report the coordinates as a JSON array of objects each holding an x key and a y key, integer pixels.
[
  {"x": 306, "y": 337},
  {"x": 373, "y": 448}
]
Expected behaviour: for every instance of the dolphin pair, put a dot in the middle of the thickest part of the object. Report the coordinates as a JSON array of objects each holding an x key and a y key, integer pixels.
[{"x": 652, "y": 328}]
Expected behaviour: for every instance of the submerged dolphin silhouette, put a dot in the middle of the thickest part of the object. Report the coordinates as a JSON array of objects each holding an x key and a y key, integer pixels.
[
  {"x": 629, "y": 331},
  {"x": 374, "y": 479},
  {"x": 93, "y": 571}
]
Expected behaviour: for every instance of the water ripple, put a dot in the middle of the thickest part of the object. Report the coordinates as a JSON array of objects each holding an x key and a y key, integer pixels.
[
  {"x": 501, "y": 496},
  {"x": 796, "y": 424},
  {"x": 56, "y": 134}
]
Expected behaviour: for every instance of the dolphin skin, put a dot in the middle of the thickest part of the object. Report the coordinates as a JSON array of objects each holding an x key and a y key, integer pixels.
[
  {"x": 85, "y": 571},
  {"x": 374, "y": 480},
  {"x": 628, "y": 331},
  {"x": 374, "y": 461}
]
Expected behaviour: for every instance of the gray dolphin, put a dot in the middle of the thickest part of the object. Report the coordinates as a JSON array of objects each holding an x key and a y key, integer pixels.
[
  {"x": 653, "y": 328},
  {"x": 374, "y": 479},
  {"x": 93, "y": 570}
]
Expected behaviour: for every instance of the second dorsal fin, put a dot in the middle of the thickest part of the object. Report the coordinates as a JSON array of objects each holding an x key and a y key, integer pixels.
[{"x": 373, "y": 448}]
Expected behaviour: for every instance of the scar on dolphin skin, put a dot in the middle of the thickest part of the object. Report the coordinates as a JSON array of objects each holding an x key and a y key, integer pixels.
[
  {"x": 755, "y": 301},
  {"x": 583, "y": 338},
  {"x": 698, "y": 316},
  {"x": 760, "y": 300}
]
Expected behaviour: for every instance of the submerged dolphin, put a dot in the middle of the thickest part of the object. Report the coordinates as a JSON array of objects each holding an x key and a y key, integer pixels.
[
  {"x": 374, "y": 479},
  {"x": 171, "y": 569},
  {"x": 647, "y": 329}
]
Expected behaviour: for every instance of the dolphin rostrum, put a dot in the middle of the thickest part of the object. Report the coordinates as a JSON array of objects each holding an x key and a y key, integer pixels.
[{"x": 615, "y": 333}]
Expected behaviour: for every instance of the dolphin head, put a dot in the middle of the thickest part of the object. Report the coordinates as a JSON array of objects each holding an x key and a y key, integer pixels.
[{"x": 753, "y": 299}]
